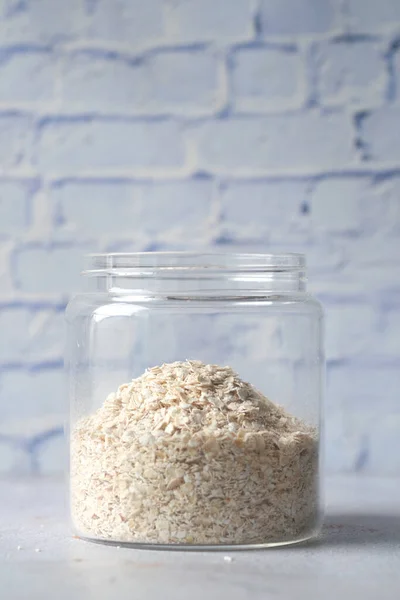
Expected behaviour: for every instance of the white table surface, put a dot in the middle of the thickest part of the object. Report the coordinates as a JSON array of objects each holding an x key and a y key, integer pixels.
[{"x": 358, "y": 555}]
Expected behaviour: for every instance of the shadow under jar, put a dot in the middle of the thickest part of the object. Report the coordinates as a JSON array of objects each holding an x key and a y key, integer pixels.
[{"x": 195, "y": 390}]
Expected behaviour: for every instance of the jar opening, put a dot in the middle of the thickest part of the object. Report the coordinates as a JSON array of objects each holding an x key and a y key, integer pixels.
[
  {"x": 138, "y": 263},
  {"x": 190, "y": 272}
]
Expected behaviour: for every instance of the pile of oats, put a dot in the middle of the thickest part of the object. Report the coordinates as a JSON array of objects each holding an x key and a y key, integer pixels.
[{"x": 189, "y": 453}]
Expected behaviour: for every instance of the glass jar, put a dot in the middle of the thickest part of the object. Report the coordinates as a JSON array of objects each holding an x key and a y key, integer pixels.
[{"x": 195, "y": 386}]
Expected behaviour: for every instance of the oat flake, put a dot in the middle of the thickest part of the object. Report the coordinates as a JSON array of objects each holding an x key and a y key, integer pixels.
[{"x": 190, "y": 453}]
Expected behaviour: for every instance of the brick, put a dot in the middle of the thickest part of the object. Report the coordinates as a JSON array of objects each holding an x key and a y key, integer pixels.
[
  {"x": 183, "y": 81},
  {"x": 388, "y": 339},
  {"x": 267, "y": 78},
  {"x": 28, "y": 395},
  {"x": 351, "y": 72},
  {"x": 379, "y": 251},
  {"x": 369, "y": 15},
  {"x": 156, "y": 207},
  {"x": 43, "y": 270},
  {"x": 344, "y": 205},
  {"x": 259, "y": 144},
  {"x": 177, "y": 206},
  {"x": 343, "y": 444},
  {"x": 117, "y": 206},
  {"x": 324, "y": 254},
  {"x": 51, "y": 455},
  {"x": 361, "y": 271},
  {"x": 14, "y": 325},
  {"x": 363, "y": 391},
  {"x": 384, "y": 446},
  {"x": 263, "y": 205},
  {"x": 31, "y": 335},
  {"x": 27, "y": 76},
  {"x": 379, "y": 135},
  {"x": 132, "y": 22},
  {"x": 387, "y": 194},
  {"x": 169, "y": 81},
  {"x": 350, "y": 331},
  {"x": 39, "y": 21},
  {"x": 359, "y": 400},
  {"x": 14, "y": 206},
  {"x": 107, "y": 83},
  {"x": 6, "y": 282},
  {"x": 201, "y": 20},
  {"x": 46, "y": 336},
  {"x": 73, "y": 145},
  {"x": 16, "y": 134},
  {"x": 13, "y": 459},
  {"x": 285, "y": 17}
]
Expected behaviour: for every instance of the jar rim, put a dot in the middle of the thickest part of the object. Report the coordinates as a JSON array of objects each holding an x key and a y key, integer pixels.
[{"x": 118, "y": 263}]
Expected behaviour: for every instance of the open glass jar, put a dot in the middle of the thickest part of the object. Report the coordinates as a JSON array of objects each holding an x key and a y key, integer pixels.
[{"x": 195, "y": 386}]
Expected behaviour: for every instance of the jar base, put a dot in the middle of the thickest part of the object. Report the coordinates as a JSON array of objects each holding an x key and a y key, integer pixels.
[{"x": 203, "y": 547}]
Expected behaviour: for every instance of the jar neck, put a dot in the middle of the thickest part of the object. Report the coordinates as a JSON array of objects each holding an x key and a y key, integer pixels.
[{"x": 196, "y": 275}]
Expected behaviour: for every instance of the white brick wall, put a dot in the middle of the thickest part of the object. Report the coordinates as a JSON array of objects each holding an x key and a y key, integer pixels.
[
  {"x": 270, "y": 125},
  {"x": 158, "y": 207},
  {"x": 135, "y": 23},
  {"x": 80, "y": 144},
  {"x": 47, "y": 269},
  {"x": 14, "y": 206},
  {"x": 18, "y": 86},
  {"x": 264, "y": 77},
  {"x": 285, "y": 17},
  {"x": 370, "y": 16},
  {"x": 104, "y": 82},
  {"x": 274, "y": 143},
  {"x": 345, "y": 205},
  {"x": 40, "y": 22},
  {"x": 351, "y": 73},
  {"x": 241, "y": 200},
  {"x": 31, "y": 333},
  {"x": 209, "y": 20},
  {"x": 379, "y": 135},
  {"x": 16, "y": 139}
]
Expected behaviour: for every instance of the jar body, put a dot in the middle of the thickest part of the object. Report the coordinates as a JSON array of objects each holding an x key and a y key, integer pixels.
[{"x": 169, "y": 443}]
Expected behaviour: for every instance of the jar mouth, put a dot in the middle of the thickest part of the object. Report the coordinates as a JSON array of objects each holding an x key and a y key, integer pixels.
[{"x": 191, "y": 264}]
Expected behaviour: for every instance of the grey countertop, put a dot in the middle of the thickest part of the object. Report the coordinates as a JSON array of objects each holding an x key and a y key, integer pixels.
[{"x": 358, "y": 555}]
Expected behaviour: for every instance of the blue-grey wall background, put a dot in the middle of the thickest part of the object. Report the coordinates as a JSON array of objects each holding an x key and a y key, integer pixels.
[{"x": 228, "y": 124}]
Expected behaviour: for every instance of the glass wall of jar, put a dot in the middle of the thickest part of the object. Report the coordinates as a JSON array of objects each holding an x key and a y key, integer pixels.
[{"x": 195, "y": 389}]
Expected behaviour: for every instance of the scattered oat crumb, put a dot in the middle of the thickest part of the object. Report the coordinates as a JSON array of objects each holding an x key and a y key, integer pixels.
[
  {"x": 228, "y": 558},
  {"x": 188, "y": 453},
  {"x": 19, "y": 547},
  {"x": 37, "y": 550}
]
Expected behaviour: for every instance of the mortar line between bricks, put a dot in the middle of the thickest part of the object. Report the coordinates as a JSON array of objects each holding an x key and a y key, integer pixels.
[
  {"x": 33, "y": 367},
  {"x": 33, "y": 305},
  {"x": 131, "y": 179},
  {"x": 52, "y": 114},
  {"x": 103, "y": 46},
  {"x": 143, "y": 175},
  {"x": 185, "y": 118},
  {"x": 37, "y": 440}
]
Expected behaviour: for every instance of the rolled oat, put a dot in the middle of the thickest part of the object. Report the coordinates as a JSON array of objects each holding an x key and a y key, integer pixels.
[{"x": 189, "y": 453}]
